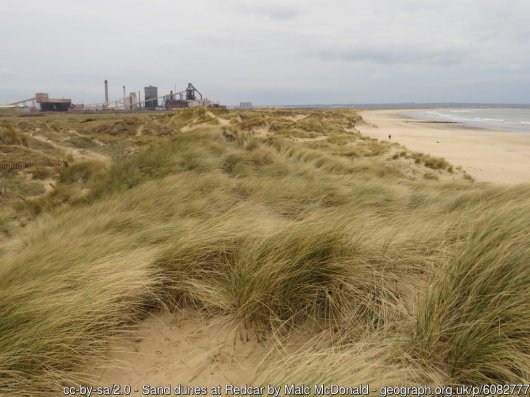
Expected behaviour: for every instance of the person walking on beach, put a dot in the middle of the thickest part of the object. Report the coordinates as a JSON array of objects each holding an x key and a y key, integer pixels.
[{"x": 389, "y": 136}]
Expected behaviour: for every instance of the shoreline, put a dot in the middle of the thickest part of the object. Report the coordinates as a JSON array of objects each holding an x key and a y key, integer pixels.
[{"x": 487, "y": 155}]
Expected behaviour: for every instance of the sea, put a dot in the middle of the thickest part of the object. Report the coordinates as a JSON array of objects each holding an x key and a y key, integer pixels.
[{"x": 503, "y": 119}]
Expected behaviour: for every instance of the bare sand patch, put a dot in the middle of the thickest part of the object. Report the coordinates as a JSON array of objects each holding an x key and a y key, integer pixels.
[
  {"x": 494, "y": 156},
  {"x": 192, "y": 349},
  {"x": 79, "y": 153},
  {"x": 183, "y": 348}
]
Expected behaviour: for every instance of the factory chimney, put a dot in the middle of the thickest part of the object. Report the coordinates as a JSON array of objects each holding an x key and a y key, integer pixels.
[{"x": 106, "y": 93}]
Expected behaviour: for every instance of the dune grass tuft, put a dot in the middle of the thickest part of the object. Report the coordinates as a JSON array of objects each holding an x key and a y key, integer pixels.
[{"x": 474, "y": 321}]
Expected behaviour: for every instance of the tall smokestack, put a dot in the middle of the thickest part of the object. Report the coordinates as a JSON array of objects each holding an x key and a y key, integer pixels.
[{"x": 106, "y": 93}]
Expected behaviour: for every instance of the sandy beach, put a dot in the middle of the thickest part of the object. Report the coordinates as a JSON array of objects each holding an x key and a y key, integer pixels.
[{"x": 487, "y": 155}]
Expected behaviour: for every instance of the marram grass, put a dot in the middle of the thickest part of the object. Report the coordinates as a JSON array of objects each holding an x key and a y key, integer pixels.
[{"x": 416, "y": 281}]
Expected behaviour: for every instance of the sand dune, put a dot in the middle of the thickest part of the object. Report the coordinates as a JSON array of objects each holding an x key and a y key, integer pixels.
[
  {"x": 345, "y": 254},
  {"x": 494, "y": 156}
]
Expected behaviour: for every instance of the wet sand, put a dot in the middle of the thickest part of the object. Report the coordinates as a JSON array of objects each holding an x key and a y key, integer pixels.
[{"x": 492, "y": 156}]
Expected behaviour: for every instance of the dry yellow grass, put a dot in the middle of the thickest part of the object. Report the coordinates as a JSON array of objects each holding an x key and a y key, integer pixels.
[{"x": 417, "y": 280}]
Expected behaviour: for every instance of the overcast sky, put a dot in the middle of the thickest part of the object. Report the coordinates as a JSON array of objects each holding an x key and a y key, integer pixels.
[{"x": 270, "y": 51}]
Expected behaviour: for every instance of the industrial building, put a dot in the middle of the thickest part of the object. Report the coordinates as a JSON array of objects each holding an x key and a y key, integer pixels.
[
  {"x": 45, "y": 103},
  {"x": 151, "y": 97},
  {"x": 190, "y": 97},
  {"x": 48, "y": 104},
  {"x": 130, "y": 102}
]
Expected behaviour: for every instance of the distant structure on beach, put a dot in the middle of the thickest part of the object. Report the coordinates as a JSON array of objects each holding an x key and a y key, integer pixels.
[{"x": 245, "y": 105}]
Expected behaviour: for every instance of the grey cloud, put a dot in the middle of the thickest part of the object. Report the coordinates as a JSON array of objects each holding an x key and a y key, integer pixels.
[
  {"x": 6, "y": 72},
  {"x": 273, "y": 11},
  {"x": 396, "y": 55}
]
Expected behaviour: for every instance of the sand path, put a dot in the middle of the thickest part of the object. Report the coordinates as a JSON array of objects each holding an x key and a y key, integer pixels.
[
  {"x": 494, "y": 156},
  {"x": 77, "y": 153}
]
